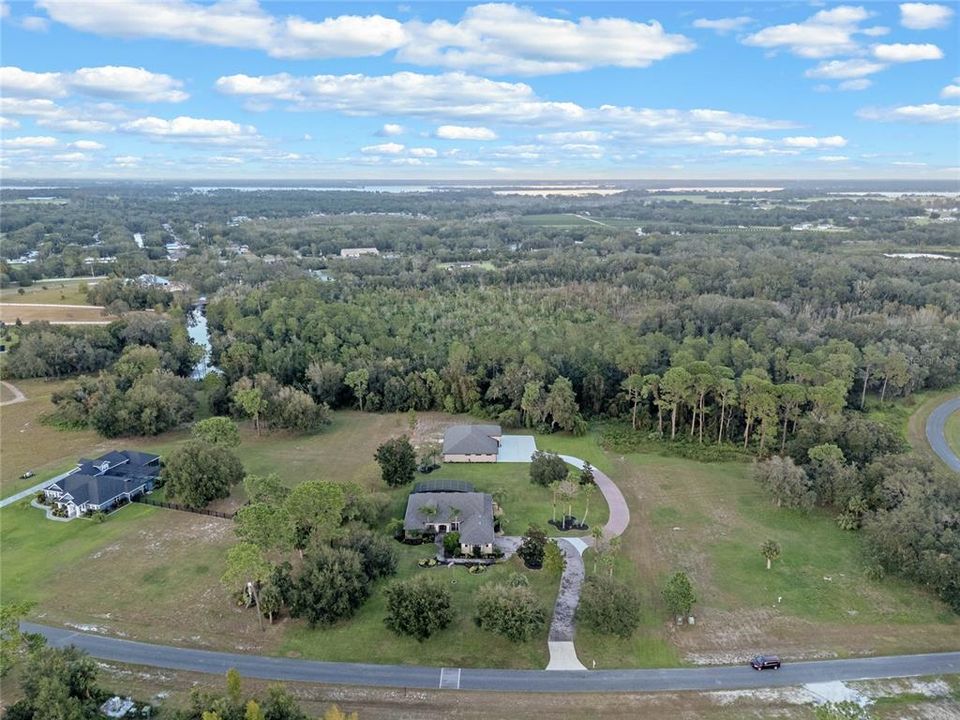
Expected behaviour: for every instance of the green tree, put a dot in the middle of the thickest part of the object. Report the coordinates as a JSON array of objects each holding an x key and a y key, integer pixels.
[
  {"x": 357, "y": 380},
  {"x": 220, "y": 431},
  {"x": 451, "y": 543},
  {"x": 196, "y": 473},
  {"x": 11, "y": 639},
  {"x": 418, "y": 607},
  {"x": 315, "y": 509},
  {"x": 770, "y": 551},
  {"x": 678, "y": 595},
  {"x": 234, "y": 687},
  {"x": 675, "y": 389},
  {"x": 511, "y": 611},
  {"x": 554, "y": 561},
  {"x": 265, "y": 525},
  {"x": 532, "y": 404},
  {"x": 634, "y": 387},
  {"x": 561, "y": 404},
  {"x": 398, "y": 461},
  {"x": 247, "y": 569},
  {"x": 533, "y": 547},
  {"x": 785, "y": 482},
  {"x": 609, "y": 606},
  {"x": 547, "y": 468},
  {"x": 251, "y": 403},
  {"x": 332, "y": 586}
]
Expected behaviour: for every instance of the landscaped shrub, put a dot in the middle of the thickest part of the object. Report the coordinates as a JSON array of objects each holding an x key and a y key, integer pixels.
[
  {"x": 378, "y": 556},
  {"x": 418, "y": 607},
  {"x": 532, "y": 548},
  {"x": 609, "y": 606},
  {"x": 331, "y": 587},
  {"x": 511, "y": 611},
  {"x": 451, "y": 543}
]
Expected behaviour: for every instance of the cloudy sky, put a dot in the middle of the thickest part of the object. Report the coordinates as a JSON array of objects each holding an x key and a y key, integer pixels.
[{"x": 237, "y": 88}]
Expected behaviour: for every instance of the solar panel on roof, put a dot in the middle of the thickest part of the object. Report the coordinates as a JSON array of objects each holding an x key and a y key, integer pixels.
[{"x": 443, "y": 486}]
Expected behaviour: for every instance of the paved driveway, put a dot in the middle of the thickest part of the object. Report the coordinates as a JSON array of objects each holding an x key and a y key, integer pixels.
[{"x": 516, "y": 448}]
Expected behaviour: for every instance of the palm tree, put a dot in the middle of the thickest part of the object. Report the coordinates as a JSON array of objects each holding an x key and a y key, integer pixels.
[{"x": 771, "y": 551}]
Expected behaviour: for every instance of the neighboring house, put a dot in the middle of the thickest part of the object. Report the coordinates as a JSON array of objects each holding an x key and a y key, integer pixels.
[
  {"x": 358, "y": 252},
  {"x": 471, "y": 443},
  {"x": 440, "y": 507},
  {"x": 100, "y": 484},
  {"x": 148, "y": 280}
]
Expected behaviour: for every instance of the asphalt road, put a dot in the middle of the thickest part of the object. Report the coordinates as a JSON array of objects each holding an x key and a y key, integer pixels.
[
  {"x": 522, "y": 681},
  {"x": 935, "y": 435}
]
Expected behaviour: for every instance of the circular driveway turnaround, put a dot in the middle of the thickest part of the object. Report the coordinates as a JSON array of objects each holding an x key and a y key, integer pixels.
[
  {"x": 935, "y": 433},
  {"x": 522, "y": 681}
]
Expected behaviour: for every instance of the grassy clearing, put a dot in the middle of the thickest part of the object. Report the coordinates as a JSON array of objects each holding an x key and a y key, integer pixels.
[
  {"x": 555, "y": 220},
  {"x": 53, "y": 293},
  {"x": 10, "y": 312},
  {"x": 460, "y": 645}
]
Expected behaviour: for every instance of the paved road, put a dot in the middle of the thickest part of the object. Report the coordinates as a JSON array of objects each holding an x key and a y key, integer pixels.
[
  {"x": 524, "y": 681},
  {"x": 935, "y": 434}
]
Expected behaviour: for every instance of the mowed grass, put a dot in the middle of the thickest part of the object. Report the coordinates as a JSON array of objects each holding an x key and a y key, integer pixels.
[
  {"x": 555, "y": 220},
  {"x": 462, "y": 644},
  {"x": 53, "y": 293},
  {"x": 11, "y": 312}
]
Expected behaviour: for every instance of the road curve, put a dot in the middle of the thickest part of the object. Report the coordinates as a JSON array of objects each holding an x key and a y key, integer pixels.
[
  {"x": 522, "y": 681},
  {"x": 936, "y": 436}
]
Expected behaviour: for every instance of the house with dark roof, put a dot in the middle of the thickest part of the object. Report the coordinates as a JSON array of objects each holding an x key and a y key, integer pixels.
[
  {"x": 439, "y": 507},
  {"x": 99, "y": 485},
  {"x": 471, "y": 443}
]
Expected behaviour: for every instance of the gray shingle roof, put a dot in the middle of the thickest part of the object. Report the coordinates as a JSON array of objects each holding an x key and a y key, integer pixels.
[
  {"x": 471, "y": 440},
  {"x": 122, "y": 471},
  {"x": 475, "y": 514}
]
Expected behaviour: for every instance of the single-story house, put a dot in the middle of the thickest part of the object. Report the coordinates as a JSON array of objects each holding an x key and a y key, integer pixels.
[
  {"x": 471, "y": 443},
  {"x": 358, "y": 252},
  {"x": 439, "y": 507},
  {"x": 102, "y": 483}
]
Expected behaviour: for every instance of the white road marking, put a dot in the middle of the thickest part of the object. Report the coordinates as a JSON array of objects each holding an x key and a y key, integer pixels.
[{"x": 449, "y": 678}]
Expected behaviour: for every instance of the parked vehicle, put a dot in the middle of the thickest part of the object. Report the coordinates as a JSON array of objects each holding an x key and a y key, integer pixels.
[
  {"x": 27, "y": 474},
  {"x": 428, "y": 467},
  {"x": 765, "y": 662}
]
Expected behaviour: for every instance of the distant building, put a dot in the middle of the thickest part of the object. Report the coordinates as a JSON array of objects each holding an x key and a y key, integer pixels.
[
  {"x": 358, "y": 252},
  {"x": 153, "y": 281}
]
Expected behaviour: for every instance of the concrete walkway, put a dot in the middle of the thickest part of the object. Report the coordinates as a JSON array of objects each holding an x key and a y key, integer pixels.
[
  {"x": 936, "y": 435},
  {"x": 18, "y": 396}
]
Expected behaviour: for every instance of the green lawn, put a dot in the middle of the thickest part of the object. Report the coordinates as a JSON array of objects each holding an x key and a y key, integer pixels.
[
  {"x": 47, "y": 293},
  {"x": 463, "y": 644}
]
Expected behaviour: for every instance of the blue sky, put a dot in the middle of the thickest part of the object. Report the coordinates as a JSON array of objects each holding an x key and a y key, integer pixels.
[{"x": 318, "y": 90}]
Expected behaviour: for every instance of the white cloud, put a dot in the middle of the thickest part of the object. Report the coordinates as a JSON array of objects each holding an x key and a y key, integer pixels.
[
  {"x": 906, "y": 163},
  {"x": 126, "y": 160},
  {"x": 30, "y": 141},
  {"x": 855, "y": 85},
  {"x": 8, "y": 124},
  {"x": 75, "y": 125},
  {"x": 461, "y": 132},
  {"x": 722, "y": 25},
  {"x": 841, "y": 69},
  {"x": 70, "y": 157},
  {"x": 590, "y": 136},
  {"x": 928, "y": 113},
  {"x": 383, "y": 149},
  {"x": 87, "y": 145},
  {"x": 34, "y": 23},
  {"x": 833, "y": 158},
  {"x": 111, "y": 81},
  {"x": 876, "y": 31},
  {"x": 506, "y": 39},
  {"x": 902, "y": 52},
  {"x": 344, "y": 36},
  {"x": 496, "y": 37},
  {"x": 806, "y": 141},
  {"x": 828, "y": 32},
  {"x": 220, "y": 132},
  {"x": 924, "y": 16},
  {"x": 423, "y": 152},
  {"x": 951, "y": 91},
  {"x": 458, "y": 96},
  {"x": 391, "y": 130}
]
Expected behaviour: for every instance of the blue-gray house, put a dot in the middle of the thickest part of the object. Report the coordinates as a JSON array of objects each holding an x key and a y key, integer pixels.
[{"x": 102, "y": 483}]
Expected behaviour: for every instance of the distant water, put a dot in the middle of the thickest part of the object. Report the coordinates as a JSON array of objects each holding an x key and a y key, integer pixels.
[
  {"x": 197, "y": 329},
  {"x": 314, "y": 188}
]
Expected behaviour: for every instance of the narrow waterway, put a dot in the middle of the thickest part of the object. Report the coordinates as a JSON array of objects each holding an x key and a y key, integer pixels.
[{"x": 197, "y": 329}]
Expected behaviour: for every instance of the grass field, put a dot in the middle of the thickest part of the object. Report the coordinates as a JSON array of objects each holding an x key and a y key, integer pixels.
[
  {"x": 139, "y": 572},
  {"x": 54, "y": 293},
  {"x": 555, "y": 220},
  {"x": 10, "y": 312}
]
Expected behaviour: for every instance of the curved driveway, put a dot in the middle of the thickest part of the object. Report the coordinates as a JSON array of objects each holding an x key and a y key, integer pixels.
[
  {"x": 935, "y": 432},
  {"x": 523, "y": 681}
]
